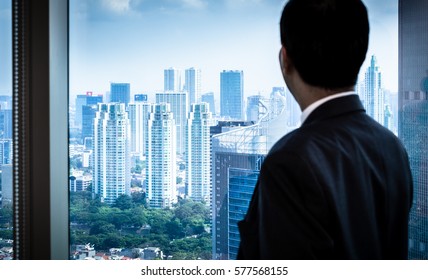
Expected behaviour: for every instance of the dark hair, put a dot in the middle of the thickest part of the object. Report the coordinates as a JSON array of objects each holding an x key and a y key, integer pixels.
[{"x": 326, "y": 40}]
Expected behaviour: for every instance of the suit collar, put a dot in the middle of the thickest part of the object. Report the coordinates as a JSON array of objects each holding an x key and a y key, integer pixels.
[{"x": 335, "y": 107}]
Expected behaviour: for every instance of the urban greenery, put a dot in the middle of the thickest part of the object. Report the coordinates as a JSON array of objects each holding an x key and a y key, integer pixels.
[{"x": 181, "y": 232}]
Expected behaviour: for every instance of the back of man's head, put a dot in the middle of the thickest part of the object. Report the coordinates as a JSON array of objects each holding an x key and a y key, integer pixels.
[{"x": 326, "y": 40}]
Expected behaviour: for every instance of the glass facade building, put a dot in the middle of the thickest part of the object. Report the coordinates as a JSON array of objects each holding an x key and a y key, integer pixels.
[
  {"x": 84, "y": 100},
  {"x": 120, "y": 93},
  {"x": 193, "y": 84},
  {"x": 172, "y": 79},
  {"x": 241, "y": 187},
  {"x": 232, "y": 94},
  {"x": 413, "y": 114}
]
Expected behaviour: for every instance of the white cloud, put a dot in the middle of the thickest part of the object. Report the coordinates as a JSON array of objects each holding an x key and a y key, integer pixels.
[
  {"x": 117, "y": 6},
  {"x": 198, "y": 4}
]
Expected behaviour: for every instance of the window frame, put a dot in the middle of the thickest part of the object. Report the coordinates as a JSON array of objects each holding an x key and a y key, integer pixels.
[{"x": 40, "y": 128}]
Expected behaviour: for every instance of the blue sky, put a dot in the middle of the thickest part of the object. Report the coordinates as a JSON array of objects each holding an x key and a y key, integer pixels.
[
  {"x": 134, "y": 40},
  {"x": 5, "y": 48}
]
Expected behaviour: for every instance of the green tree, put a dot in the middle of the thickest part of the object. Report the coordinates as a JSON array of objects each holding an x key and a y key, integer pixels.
[
  {"x": 101, "y": 227},
  {"x": 123, "y": 202},
  {"x": 113, "y": 241},
  {"x": 174, "y": 229}
]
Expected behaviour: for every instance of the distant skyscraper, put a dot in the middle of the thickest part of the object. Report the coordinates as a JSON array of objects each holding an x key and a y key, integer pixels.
[
  {"x": 85, "y": 100},
  {"x": 179, "y": 104},
  {"x": 138, "y": 116},
  {"x": 413, "y": 113},
  {"x": 141, "y": 98},
  {"x": 88, "y": 116},
  {"x": 374, "y": 98},
  {"x": 388, "y": 118},
  {"x": 120, "y": 93},
  {"x": 6, "y": 123},
  {"x": 198, "y": 153},
  {"x": 6, "y": 154},
  {"x": 293, "y": 112},
  {"x": 5, "y": 102},
  {"x": 193, "y": 84},
  {"x": 111, "y": 177},
  {"x": 161, "y": 157},
  {"x": 172, "y": 79},
  {"x": 253, "y": 107},
  {"x": 232, "y": 94},
  {"x": 6, "y": 184},
  {"x": 209, "y": 98}
]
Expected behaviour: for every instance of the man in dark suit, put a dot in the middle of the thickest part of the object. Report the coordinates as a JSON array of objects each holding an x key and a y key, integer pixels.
[{"x": 340, "y": 186}]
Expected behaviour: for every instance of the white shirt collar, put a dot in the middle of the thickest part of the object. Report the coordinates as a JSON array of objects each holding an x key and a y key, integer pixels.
[{"x": 316, "y": 104}]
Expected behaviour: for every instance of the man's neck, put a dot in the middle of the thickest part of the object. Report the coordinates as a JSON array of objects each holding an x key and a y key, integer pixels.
[{"x": 309, "y": 95}]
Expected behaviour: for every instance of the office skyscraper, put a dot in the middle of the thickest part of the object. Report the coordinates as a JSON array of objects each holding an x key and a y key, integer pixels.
[
  {"x": 236, "y": 147},
  {"x": 198, "y": 153},
  {"x": 209, "y": 98},
  {"x": 172, "y": 79},
  {"x": 161, "y": 157},
  {"x": 242, "y": 183},
  {"x": 138, "y": 116},
  {"x": 193, "y": 84},
  {"x": 111, "y": 177},
  {"x": 253, "y": 108},
  {"x": 141, "y": 98},
  {"x": 88, "y": 116},
  {"x": 85, "y": 100},
  {"x": 179, "y": 105},
  {"x": 6, "y": 123},
  {"x": 232, "y": 94},
  {"x": 374, "y": 98},
  {"x": 120, "y": 93},
  {"x": 413, "y": 114},
  {"x": 6, "y": 154}
]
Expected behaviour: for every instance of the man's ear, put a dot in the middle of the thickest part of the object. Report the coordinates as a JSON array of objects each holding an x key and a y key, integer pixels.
[{"x": 286, "y": 65}]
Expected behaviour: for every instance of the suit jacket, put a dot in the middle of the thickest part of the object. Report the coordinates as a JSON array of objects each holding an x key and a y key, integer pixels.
[{"x": 338, "y": 187}]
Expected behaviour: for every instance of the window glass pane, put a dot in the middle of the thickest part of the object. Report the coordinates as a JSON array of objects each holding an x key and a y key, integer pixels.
[
  {"x": 6, "y": 193},
  {"x": 174, "y": 105}
]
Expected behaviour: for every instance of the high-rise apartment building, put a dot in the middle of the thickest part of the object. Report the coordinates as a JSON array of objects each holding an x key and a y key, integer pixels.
[
  {"x": 172, "y": 79},
  {"x": 138, "y": 116},
  {"x": 198, "y": 153},
  {"x": 232, "y": 94},
  {"x": 161, "y": 157},
  {"x": 374, "y": 97},
  {"x": 413, "y": 113},
  {"x": 179, "y": 105},
  {"x": 193, "y": 84},
  {"x": 111, "y": 176},
  {"x": 87, "y": 99},
  {"x": 120, "y": 93}
]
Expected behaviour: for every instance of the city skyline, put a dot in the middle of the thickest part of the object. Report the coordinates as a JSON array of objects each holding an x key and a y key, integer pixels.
[{"x": 193, "y": 37}]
